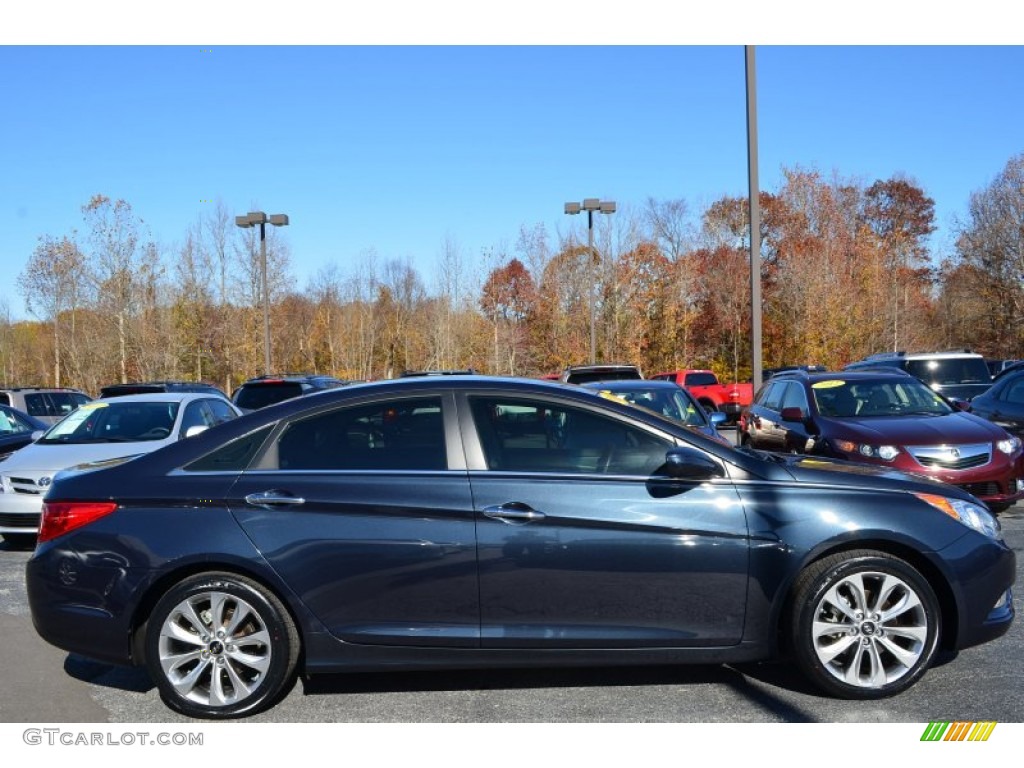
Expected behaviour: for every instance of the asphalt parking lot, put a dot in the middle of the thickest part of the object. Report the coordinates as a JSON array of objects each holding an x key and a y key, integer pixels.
[{"x": 43, "y": 684}]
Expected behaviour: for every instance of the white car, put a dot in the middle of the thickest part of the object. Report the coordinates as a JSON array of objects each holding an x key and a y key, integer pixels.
[{"x": 115, "y": 429}]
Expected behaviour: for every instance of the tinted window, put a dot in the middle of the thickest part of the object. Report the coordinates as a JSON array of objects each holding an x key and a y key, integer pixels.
[
  {"x": 5, "y": 399},
  {"x": 196, "y": 415},
  {"x": 700, "y": 379},
  {"x": 221, "y": 410},
  {"x": 235, "y": 456},
  {"x": 772, "y": 397},
  {"x": 37, "y": 404},
  {"x": 1013, "y": 392},
  {"x": 255, "y": 396},
  {"x": 395, "y": 434},
  {"x": 10, "y": 424},
  {"x": 795, "y": 397},
  {"x": 951, "y": 370},
  {"x": 531, "y": 436}
]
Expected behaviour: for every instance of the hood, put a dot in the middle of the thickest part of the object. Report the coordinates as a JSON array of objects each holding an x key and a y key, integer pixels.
[
  {"x": 952, "y": 428},
  {"x": 814, "y": 469},
  {"x": 38, "y": 457}
]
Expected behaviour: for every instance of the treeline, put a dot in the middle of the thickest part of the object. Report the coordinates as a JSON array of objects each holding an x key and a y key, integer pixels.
[{"x": 847, "y": 270}]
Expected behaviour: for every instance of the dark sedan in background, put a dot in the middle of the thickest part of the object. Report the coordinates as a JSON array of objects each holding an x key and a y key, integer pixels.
[
  {"x": 16, "y": 430},
  {"x": 442, "y": 522},
  {"x": 1003, "y": 403}
]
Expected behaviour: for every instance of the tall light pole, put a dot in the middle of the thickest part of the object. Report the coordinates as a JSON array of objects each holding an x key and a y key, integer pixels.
[
  {"x": 754, "y": 204},
  {"x": 251, "y": 219},
  {"x": 590, "y": 205}
]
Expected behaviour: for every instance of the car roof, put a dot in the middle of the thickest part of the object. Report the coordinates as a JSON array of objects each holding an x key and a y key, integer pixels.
[
  {"x": 159, "y": 397},
  {"x": 613, "y": 384}
]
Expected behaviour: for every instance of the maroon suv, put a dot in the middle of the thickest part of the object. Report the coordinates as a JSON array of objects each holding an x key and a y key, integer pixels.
[{"x": 887, "y": 419}]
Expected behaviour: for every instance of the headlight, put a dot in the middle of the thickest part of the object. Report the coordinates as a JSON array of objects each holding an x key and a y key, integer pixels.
[
  {"x": 971, "y": 515},
  {"x": 883, "y": 452},
  {"x": 1009, "y": 446}
]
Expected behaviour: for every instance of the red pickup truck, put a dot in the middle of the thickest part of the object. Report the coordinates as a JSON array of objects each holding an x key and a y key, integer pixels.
[{"x": 730, "y": 399}]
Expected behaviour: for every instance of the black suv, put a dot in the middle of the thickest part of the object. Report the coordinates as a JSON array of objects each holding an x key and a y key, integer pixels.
[
  {"x": 581, "y": 374},
  {"x": 145, "y": 387},
  {"x": 273, "y": 388},
  {"x": 957, "y": 374}
]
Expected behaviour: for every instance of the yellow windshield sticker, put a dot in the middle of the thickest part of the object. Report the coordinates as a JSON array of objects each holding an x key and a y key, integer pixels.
[
  {"x": 612, "y": 396},
  {"x": 830, "y": 384},
  {"x": 92, "y": 406}
]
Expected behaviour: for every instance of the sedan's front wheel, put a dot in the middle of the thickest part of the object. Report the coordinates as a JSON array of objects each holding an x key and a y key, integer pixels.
[
  {"x": 863, "y": 624},
  {"x": 220, "y": 645}
]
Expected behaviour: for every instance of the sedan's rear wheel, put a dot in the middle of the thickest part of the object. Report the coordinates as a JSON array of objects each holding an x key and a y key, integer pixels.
[
  {"x": 864, "y": 624},
  {"x": 220, "y": 645}
]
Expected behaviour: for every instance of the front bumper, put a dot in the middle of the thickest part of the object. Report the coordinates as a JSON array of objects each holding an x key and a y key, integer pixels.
[{"x": 20, "y": 513}]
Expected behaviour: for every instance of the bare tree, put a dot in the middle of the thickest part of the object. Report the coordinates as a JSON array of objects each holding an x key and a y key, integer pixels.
[{"x": 51, "y": 286}]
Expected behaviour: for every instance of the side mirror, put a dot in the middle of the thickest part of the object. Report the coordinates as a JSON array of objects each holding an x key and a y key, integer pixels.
[
  {"x": 37, "y": 434},
  {"x": 192, "y": 431},
  {"x": 792, "y": 414},
  {"x": 960, "y": 405},
  {"x": 686, "y": 463},
  {"x": 717, "y": 417}
]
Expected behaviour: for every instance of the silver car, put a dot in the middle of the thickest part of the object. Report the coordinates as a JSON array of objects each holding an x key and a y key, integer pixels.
[{"x": 98, "y": 433}]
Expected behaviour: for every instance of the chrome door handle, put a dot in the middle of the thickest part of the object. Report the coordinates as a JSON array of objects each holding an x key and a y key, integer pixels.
[
  {"x": 513, "y": 513},
  {"x": 271, "y": 499}
]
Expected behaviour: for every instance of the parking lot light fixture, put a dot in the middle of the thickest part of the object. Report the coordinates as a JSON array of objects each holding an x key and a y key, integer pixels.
[
  {"x": 590, "y": 205},
  {"x": 252, "y": 219}
]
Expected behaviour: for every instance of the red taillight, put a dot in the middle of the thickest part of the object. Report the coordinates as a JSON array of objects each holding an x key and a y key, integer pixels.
[{"x": 60, "y": 517}]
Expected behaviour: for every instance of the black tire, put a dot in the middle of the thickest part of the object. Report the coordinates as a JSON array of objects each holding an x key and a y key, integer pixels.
[
  {"x": 863, "y": 624},
  {"x": 240, "y": 671},
  {"x": 20, "y": 540}
]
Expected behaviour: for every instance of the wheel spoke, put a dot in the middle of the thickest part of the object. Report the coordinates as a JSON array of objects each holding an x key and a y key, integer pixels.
[
  {"x": 259, "y": 663},
  {"x": 174, "y": 631},
  {"x": 218, "y": 601},
  {"x": 188, "y": 612},
  {"x": 242, "y": 612},
  {"x": 905, "y": 657},
  {"x": 835, "y": 600},
  {"x": 827, "y": 652},
  {"x": 908, "y": 602},
  {"x": 185, "y": 684},
  {"x": 218, "y": 695}
]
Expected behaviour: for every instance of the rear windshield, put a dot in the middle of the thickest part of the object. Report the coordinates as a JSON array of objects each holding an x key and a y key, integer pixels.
[
  {"x": 700, "y": 379},
  {"x": 950, "y": 370},
  {"x": 607, "y": 374},
  {"x": 254, "y": 396}
]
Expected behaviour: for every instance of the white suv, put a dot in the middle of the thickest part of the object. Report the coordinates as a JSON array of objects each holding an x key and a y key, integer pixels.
[{"x": 48, "y": 404}]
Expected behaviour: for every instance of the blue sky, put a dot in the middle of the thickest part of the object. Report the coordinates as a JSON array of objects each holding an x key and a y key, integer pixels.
[{"x": 398, "y": 148}]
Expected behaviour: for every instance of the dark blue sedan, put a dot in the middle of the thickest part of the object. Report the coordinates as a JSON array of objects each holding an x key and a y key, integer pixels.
[
  {"x": 17, "y": 429},
  {"x": 442, "y": 522}
]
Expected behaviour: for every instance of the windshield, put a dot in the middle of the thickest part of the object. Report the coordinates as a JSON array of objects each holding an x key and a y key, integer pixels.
[
  {"x": 115, "y": 422},
  {"x": 876, "y": 397},
  {"x": 673, "y": 403}
]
